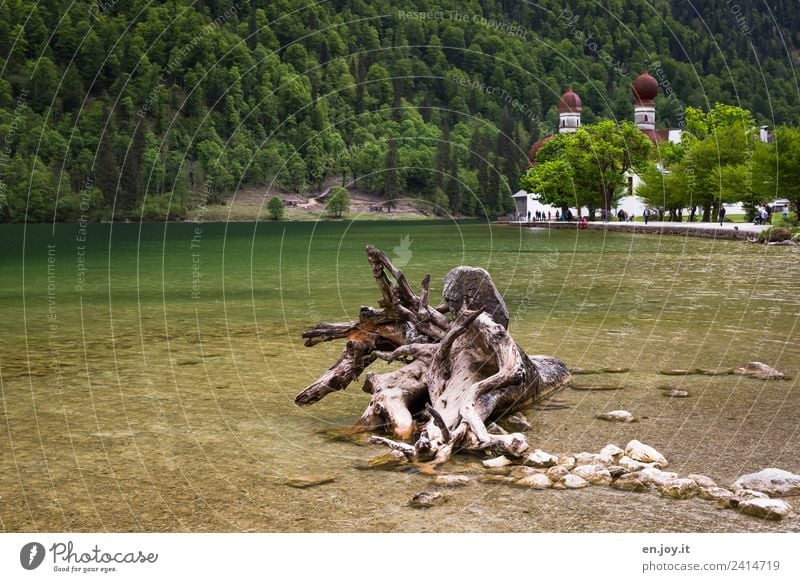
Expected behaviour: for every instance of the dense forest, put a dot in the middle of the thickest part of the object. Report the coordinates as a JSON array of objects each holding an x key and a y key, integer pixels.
[{"x": 134, "y": 108}]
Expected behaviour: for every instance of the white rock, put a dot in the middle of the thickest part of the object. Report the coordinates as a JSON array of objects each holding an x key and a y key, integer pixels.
[
  {"x": 500, "y": 461},
  {"x": 539, "y": 458},
  {"x": 748, "y": 494},
  {"x": 766, "y": 508},
  {"x": 759, "y": 370},
  {"x": 557, "y": 473},
  {"x": 451, "y": 480},
  {"x": 585, "y": 459},
  {"x": 426, "y": 499},
  {"x": 517, "y": 421},
  {"x": 631, "y": 482},
  {"x": 702, "y": 481},
  {"x": 497, "y": 479},
  {"x": 632, "y": 466},
  {"x": 594, "y": 474},
  {"x": 575, "y": 482},
  {"x": 772, "y": 481},
  {"x": 535, "y": 481},
  {"x": 617, "y": 415},
  {"x": 567, "y": 461},
  {"x": 656, "y": 476},
  {"x": 611, "y": 450},
  {"x": 718, "y": 494},
  {"x": 521, "y": 471},
  {"x": 679, "y": 488},
  {"x": 645, "y": 453}
]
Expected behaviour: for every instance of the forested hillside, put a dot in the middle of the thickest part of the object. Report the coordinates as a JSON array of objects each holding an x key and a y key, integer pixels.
[{"x": 131, "y": 108}]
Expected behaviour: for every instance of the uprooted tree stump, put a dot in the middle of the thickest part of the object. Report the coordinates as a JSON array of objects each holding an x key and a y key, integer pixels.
[{"x": 461, "y": 370}]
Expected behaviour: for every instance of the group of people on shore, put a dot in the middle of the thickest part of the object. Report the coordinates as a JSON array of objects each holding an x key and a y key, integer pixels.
[
  {"x": 541, "y": 216},
  {"x": 764, "y": 214}
]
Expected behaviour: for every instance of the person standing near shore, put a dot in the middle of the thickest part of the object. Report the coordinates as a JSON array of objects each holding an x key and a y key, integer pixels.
[
  {"x": 646, "y": 214},
  {"x": 721, "y": 214}
]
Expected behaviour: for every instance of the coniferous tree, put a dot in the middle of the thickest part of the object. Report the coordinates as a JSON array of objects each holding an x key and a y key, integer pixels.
[
  {"x": 106, "y": 174},
  {"x": 391, "y": 181}
]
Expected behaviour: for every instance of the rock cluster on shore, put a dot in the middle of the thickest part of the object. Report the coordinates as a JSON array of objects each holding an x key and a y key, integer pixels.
[{"x": 639, "y": 468}]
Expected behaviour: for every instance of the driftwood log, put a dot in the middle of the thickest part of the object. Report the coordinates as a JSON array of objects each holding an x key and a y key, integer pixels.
[{"x": 461, "y": 369}]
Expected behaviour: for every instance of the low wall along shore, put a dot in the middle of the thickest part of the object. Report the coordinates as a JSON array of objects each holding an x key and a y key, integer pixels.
[{"x": 740, "y": 231}]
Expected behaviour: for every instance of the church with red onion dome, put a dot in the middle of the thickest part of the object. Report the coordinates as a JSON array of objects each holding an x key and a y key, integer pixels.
[
  {"x": 569, "y": 120},
  {"x": 645, "y": 90}
]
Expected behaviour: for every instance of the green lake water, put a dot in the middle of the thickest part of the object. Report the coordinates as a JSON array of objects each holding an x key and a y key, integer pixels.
[{"x": 148, "y": 373}]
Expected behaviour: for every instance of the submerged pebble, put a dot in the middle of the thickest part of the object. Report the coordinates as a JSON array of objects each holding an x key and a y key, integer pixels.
[
  {"x": 535, "y": 481},
  {"x": 388, "y": 462},
  {"x": 617, "y": 416},
  {"x": 675, "y": 393},
  {"x": 759, "y": 370},
  {"x": 425, "y": 499},
  {"x": 521, "y": 471},
  {"x": 518, "y": 422},
  {"x": 306, "y": 481},
  {"x": 497, "y": 479},
  {"x": 496, "y": 462},
  {"x": 595, "y": 387},
  {"x": 579, "y": 371},
  {"x": 451, "y": 480}
]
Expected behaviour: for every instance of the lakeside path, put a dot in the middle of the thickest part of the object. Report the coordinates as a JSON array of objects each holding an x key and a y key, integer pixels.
[{"x": 729, "y": 230}]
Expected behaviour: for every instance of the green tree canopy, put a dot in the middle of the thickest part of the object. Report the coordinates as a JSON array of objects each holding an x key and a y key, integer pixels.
[
  {"x": 588, "y": 168},
  {"x": 338, "y": 201},
  {"x": 275, "y": 208}
]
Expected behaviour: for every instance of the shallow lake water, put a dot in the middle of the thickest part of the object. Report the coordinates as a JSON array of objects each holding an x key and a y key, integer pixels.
[{"x": 148, "y": 373}]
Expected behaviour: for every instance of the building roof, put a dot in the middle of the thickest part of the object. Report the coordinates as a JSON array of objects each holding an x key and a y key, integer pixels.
[
  {"x": 656, "y": 135},
  {"x": 536, "y": 147},
  {"x": 570, "y": 102},
  {"x": 645, "y": 89}
]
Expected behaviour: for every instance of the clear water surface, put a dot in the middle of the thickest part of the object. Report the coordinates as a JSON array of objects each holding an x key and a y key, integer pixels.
[{"x": 148, "y": 373}]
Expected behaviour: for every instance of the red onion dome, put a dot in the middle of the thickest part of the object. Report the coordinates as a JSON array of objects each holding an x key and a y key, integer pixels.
[
  {"x": 570, "y": 102},
  {"x": 645, "y": 87}
]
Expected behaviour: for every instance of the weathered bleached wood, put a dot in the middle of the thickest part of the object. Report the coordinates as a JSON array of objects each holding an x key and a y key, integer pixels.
[{"x": 459, "y": 375}]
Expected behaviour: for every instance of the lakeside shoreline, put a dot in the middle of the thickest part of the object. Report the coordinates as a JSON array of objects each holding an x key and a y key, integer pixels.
[{"x": 743, "y": 231}]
